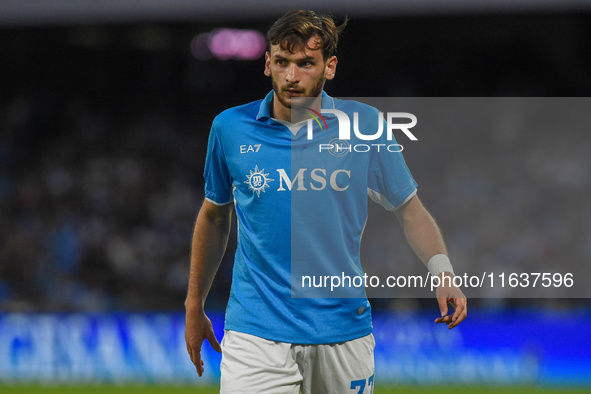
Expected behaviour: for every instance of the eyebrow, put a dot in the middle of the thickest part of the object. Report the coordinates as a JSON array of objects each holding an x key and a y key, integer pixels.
[{"x": 276, "y": 56}]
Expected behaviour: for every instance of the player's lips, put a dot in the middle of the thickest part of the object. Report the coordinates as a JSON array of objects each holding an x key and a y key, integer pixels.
[{"x": 294, "y": 92}]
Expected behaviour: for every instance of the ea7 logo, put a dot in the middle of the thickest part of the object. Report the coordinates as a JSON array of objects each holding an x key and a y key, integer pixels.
[
  {"x": 250, "y": 148},
  {"x": 345, "y": 125}
]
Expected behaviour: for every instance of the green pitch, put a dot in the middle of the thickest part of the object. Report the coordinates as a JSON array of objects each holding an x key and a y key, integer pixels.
[
  {"x": 153, "y": 389},
  {"x": 99, "y": 389}
]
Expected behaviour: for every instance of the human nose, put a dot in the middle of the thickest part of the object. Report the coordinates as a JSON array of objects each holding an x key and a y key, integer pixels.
[{"x": 292, "y": 75}]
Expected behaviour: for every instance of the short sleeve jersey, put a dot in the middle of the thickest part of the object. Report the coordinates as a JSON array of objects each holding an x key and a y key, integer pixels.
[{"x": 301, "y": 204}]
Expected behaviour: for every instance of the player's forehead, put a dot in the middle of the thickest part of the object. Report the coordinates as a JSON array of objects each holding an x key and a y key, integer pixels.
[{"x": 311, "y": 49}]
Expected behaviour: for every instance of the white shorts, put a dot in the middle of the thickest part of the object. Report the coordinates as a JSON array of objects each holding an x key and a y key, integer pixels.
[{"x": 255, "y": 365}]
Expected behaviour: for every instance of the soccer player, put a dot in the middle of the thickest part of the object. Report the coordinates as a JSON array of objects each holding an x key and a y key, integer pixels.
[{"x": 298, "y": 209}]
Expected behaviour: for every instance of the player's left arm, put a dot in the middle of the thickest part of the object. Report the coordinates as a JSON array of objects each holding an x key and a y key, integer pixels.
[{"x": 426, "y": 240}]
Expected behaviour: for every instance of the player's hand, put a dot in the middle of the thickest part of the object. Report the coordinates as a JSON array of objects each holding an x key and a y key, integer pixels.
[
  {"x": 453, "y": 296},
  {"x": 198, "y": 328}
]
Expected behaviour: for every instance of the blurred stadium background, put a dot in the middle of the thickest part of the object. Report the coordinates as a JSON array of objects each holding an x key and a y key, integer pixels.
[{"x": 105, "y": 109}]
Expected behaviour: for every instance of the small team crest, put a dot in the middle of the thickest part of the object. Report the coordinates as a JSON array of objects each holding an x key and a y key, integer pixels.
[{"x": 257, "y": 181}]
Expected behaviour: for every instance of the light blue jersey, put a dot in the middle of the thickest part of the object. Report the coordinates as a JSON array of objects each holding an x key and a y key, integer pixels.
[{"x": 301, "y": 207}]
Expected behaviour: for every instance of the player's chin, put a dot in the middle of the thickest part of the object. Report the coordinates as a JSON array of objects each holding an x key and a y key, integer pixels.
[
  {"x": 285, "y": 100},
  {"x": 300, "y": 99}
]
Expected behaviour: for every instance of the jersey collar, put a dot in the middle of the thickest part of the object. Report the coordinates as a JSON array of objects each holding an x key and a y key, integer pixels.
[{"x": 265, "y": 107}]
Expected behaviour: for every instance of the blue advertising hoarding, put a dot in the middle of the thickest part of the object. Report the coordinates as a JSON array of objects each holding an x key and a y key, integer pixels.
[{"x": 500, "y": 347}]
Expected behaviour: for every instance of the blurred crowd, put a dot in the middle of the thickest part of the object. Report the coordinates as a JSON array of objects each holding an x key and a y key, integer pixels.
[
  {"x": 508, "y": 182},
  {"x": 102, "y": 149},
  {"x": 98, "y": 217}
]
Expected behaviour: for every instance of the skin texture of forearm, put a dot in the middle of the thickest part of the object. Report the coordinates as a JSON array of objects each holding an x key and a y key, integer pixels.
[
  {"x": 210, "y": 238},
  {"x": 421, "y": 230},
  {"x": 424, "y": 237}
]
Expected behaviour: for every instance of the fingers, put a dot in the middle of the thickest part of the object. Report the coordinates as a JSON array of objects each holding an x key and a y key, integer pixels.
[
  {"x": 442, "y": 306},
  {"x": 444, "y": 319},
  {"x": 195, "y": 356},
  {"x": 194, "y": 350},
  {"x": 214, "y": 342},
  {"x": 198, "y": 328},
  {"x": 199, "y": 364},
  {"x": 460, "y": 312}
]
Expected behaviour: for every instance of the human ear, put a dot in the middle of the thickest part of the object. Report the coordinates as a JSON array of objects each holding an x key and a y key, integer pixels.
[
  {"x": 330, "y": 67},
  {"x": 267, "y": 64}
]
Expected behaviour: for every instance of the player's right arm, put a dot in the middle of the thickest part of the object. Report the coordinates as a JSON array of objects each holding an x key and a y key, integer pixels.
[{"x": 210, "y": 238}]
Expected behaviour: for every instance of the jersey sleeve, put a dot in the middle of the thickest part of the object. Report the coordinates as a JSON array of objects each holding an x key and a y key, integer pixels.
[
  {"x": 218, "y": 181},
  {"x": 390, "y": 182}
]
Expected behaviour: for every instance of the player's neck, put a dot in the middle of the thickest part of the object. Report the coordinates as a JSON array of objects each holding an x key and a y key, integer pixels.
[
  {"x": 281, "y": 112},
  {"x": 278, "y": 111}
]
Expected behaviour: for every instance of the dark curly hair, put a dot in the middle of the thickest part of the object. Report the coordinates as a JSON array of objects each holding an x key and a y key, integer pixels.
[{"x": 297, "y": 27}]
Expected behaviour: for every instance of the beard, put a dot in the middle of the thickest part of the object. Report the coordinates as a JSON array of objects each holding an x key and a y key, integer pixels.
[{"x": 312, "y": 93}]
